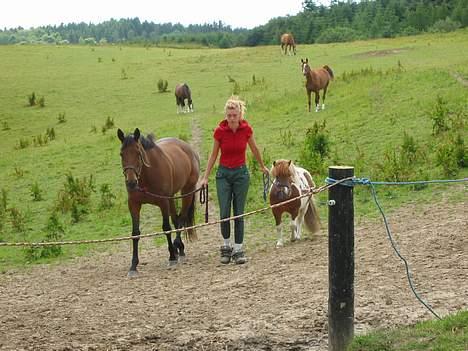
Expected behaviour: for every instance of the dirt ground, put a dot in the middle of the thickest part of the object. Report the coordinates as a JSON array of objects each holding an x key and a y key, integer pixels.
[{"x": 277, "y": 301}]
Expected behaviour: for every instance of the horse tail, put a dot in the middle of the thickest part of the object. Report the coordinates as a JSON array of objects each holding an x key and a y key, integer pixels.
[
  {"x": 191, "y": 233},
  {"x": 311, "y": 218},
  {"x": 329, "y": 70}
]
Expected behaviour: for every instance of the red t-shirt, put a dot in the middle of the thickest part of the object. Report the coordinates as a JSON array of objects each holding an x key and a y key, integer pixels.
[{"x": 233, "y": 145}]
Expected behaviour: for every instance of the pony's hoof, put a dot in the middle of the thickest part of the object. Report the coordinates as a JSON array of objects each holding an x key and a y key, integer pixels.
[
  {"x": 279, "y": 244},
  {"x": 132, "y": 274},
  {"x": 182, "y": 259},
  {"x": 172, "y": 263}
]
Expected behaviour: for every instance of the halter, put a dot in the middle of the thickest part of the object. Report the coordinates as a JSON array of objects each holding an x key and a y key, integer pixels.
[{"x": 134, "y": 169}]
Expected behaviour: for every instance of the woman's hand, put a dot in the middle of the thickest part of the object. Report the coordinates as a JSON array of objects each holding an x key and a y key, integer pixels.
[
  {"x": 265, "y": 170},
  {"x": 204, "y": 182}
]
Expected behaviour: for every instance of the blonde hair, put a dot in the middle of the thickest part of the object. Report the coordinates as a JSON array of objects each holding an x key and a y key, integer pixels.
[{"x": 234, "y": 102}]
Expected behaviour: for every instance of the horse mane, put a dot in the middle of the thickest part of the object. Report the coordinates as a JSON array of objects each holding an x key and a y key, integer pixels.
[
  {"x": 147, "y": 142},
  {"x": 284, "y": 168}
]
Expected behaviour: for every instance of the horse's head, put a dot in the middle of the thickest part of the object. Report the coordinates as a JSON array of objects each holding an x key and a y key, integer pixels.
[
  {"x": 305, "y": 66},
  {"x": 133, "y": 158},
  {"x": 282, "y": 173}
]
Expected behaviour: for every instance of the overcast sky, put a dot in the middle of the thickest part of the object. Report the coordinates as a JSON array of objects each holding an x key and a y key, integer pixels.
[{"x": 236, "y": 13}]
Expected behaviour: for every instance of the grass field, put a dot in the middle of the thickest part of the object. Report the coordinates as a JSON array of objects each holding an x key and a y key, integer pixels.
[
  {"x": 383, "y": 89},
  {"x": 448, "y": 334}
]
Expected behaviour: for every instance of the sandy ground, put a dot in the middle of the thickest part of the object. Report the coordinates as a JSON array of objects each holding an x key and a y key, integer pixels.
[{"x": 277, "y": 301}]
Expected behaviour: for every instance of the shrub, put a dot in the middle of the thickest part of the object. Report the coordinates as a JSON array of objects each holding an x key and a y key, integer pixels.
[
  {"x": 61, "y": 117},
  {"x": 36, "y": 192},
  {"x": 107, "y": 197},
  {"x": 123, "y": 74},
  {"x": 107, "y": 125},
  {"x": 75, "y": 196},
  {"x": 50, "y": 133},
  {"x": 41, "y": 101},
  {"x": 316, "y": 148},
  {"x": 5, "y": 125},
  {"x": 337, "y": 34},
  {"x": 162, "y": 85},
  {"x": 439, "y": 116},
  {"x": 444, "y": 26},
  {"x": 32, "y": 99},
  {"x": 22, "y": 143},
  {"x": 54, "y": 232},
  {"x": 17, "y": 220}
]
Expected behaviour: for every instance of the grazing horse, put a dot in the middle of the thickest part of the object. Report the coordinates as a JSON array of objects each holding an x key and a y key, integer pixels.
[
  {"x": 289, "y": 182},
  {"x": 182, "y": 92},
  {"x": 154, "y": 172},
  {"x": 287, "y": 42},
  {"x": 316, "y": 80}
]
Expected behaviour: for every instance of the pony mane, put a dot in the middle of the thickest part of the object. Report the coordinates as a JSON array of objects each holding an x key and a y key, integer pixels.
[
  {"x": 147, "y": 142},
  {"x": 282, "y": 168}
]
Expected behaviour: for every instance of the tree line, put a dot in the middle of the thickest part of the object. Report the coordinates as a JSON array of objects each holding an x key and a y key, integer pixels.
[{"x": 339, "y": 22}]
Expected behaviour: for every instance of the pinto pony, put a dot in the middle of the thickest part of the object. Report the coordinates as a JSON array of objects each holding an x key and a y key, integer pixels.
[
  {"x": 291, "y": 181},
  {"x": 287, "y": 42},
  {"x": 182, "y": 93},
  {"x": 316, "y": 80},
  {"x": 154, "y": 172}
]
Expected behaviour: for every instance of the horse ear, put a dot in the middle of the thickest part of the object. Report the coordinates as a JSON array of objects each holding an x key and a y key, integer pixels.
[
  {"x": 289, "y": 163},
  {"x": 136, "y": 134},
  {"x": 274, "y": 163},
  {"x": 307, "y": 60},
  {"x": 121, "y": 135},
  {"x": 302, "y": 61}
]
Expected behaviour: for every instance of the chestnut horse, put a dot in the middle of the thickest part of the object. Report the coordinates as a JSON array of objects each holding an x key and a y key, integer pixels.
[
  {"x": 291, "y": 181},
  {"x": 182, "y": 93},
  {"x": 316, "y": 80},
  {"x": 154, "y": 172},
  {"x": 287, "y": 42}
]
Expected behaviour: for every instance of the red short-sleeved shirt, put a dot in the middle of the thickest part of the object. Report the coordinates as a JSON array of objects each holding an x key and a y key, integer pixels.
[{"x": 233, "y": 145}]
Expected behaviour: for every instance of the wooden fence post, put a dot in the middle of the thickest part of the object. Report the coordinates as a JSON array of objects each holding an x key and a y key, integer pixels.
[{"x": 340, "y": 261}]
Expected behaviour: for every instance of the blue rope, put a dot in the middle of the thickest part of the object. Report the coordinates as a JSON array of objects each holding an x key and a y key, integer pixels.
[
  {"x": 266, "y": 185},
  {"x": 389, "y": 234},
  {"x": 367, "y": 181}
]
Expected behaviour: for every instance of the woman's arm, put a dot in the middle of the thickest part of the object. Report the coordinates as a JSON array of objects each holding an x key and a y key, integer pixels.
[
  {"x": 256, "y": 153},
  {"x": 211, "y": 162}
]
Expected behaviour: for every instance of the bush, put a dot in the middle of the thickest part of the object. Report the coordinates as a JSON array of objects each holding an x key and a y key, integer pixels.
[
  {"x": 444, "y": 26},
  {"x": 36, "y": 192},
  {"x": 439, "y": 116},
  {"x": 337, "y": 35},
  {"x": 54, "y": 232},
  {"x": 162, "y": 85},
  {"x": 316, "y": 148},
  {"x": 75, "y": 196},
  {"x": 32, "y": 99},
  {"x": 107, "y": 197},
  {"x": 61, "y": 117}
]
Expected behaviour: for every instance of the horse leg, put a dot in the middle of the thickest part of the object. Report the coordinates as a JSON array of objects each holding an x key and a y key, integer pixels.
[
  {"x": 309, "y": 92},
  {"x": 135, "y": 214},
  {"x": 323, "y": 97},
  {"x": 167, "y": 226},
  {"x": 293, "y": 227},
  {"x": 178, "y": 222},
  {"x": 300, "y": 218},
  {"x": 317, "y": 100},
  {"x": 279, "y": 230}
]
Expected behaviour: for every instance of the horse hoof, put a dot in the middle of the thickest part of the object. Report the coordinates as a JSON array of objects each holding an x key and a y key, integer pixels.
[
  {"x": 182, "y": 259},
  {"x": 132, "y": 274},
  {"x": 279, "y": 244}
]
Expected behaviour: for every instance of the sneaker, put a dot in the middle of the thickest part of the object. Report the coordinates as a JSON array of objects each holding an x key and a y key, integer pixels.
[
  {"x": 238, "y": 257},
  {"x": 226, "y": 254}
]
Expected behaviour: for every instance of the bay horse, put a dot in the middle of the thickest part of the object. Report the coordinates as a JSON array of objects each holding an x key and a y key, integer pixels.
[
  {"x": 316, "y": 80},
  {"x": 287, "y": 42},
  {"x": 291, "y": 181},
  {"x": 182, "y": 93},
  {"x": 154, "y": 172}
]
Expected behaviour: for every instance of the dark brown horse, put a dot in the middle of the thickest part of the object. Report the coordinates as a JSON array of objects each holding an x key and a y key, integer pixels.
[
  {"x": 154, "y": 172},
  {"x": 291, "y": 181},
  {"x": 182, "y": 93},
  {"x": 317, "y": 79},
  {"x": 287, "y": 42}
]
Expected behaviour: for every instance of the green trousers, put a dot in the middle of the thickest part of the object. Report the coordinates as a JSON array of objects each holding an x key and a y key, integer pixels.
[{"x": 232, "y": 185}]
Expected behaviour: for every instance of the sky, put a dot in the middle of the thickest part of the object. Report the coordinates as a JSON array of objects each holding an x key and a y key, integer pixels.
[{"x": 236, "y": 13}]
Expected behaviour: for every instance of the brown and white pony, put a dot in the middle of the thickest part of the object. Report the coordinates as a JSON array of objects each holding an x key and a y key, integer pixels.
[
  {"x": 287, "y": 42},
  {"x": 316, "y": 80},
  {"x": 182, "y": 93},
  {"x": 291, "y": 181}
]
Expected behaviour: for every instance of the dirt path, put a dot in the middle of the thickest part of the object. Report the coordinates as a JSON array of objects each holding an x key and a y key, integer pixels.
[{"x": 277, "y": 301}]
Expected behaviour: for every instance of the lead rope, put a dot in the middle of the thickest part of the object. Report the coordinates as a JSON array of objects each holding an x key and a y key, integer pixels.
[
  {"x": 266, "y": 185},
  {"x": 204, "y": 200}
]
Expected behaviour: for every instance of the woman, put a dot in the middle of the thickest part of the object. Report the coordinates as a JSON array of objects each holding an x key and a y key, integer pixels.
[{"x": 232, "y": 177}]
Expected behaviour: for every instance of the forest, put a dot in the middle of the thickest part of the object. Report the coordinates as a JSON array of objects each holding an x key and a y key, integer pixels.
[{"x": 341, "y": 21}]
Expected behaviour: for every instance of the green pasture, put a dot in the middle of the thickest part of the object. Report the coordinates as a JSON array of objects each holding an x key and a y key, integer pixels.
[
  {"x": 383, "y": 89},
  {"x": 448, "y": 334}
]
